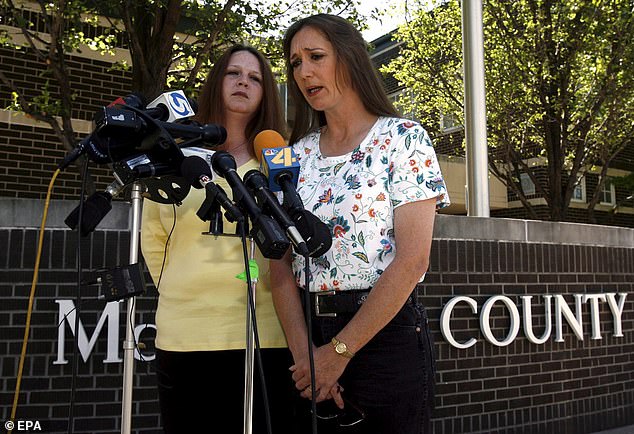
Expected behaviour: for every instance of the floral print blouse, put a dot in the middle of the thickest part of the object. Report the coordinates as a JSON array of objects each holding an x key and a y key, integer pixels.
[{"x": 355, "y": 195}]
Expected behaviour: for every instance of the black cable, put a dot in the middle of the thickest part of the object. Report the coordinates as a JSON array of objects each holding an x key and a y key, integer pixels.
[
  {"x": 169, "y": 236},
  {"x": 256, "y": 337},
  {"x": 65, "y": 317},
  {"x": 311, "y": 357},
  {"x": 78, "y": 301}
]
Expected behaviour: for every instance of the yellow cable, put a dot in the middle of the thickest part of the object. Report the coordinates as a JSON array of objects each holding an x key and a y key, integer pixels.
[{"x": 31, "y": 297}]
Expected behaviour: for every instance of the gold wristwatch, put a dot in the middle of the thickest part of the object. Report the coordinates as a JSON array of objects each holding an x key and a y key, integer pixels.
[{"x": 341, "y": 348}]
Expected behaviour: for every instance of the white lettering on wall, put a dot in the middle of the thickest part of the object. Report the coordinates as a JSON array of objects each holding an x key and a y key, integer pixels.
[
  {"x": 445, "y": 316},
  {"x": 617, "y": 311},
  {"x": 562, "y": 312},
  {"x": 485, "y": 323},
  {"x": 111, "y": 313},
  {"x": 575, "y": 322},
  {"x": 527, "y": 310},
  {"x": 67, "y": 314}
]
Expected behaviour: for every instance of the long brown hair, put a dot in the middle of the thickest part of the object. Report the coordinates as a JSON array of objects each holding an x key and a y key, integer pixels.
[
  {"x": 211, "y": 106},
  {"x": 352, "y": 54}
]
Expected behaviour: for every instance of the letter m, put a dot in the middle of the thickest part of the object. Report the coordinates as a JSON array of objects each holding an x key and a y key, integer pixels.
[{"x": 67, "y": 314}]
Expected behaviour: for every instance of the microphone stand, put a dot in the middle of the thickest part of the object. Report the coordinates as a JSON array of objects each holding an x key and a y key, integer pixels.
[
  {"x": 129, "y": 344},
  {"x": 248, "y": 356},
  {"x": 210, "y": 211}
]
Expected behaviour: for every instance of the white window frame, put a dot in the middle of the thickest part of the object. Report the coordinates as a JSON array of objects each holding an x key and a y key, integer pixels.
[
  {"x": 455, "y": 123},
  {"x": 582, "y": 186},
  {"x": 393, "y": 97},
  {"x": 608, "y": 186}
]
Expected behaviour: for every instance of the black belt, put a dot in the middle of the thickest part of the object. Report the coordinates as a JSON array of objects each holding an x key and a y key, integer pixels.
[{"x": 330, "y": 303}]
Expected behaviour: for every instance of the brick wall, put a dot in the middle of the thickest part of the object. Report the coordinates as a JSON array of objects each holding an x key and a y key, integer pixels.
[
  {"x": 46, "y": 386},
  {"x": 571, "y": 387},
  {"x": 94, "y": 83},
  {"x": 28, "y": 157},
  {"x": 29, "y": 153},
  {"x": 557, "y": 387}
]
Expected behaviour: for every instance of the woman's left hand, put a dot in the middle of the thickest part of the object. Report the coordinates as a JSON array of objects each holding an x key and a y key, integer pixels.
[{"x": 328, "y": 369}]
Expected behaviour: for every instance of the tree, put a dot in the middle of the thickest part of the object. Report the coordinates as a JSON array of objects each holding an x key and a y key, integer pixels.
[
  {"x": 559, "y": 89},
  {"x": 160, "y": 59}
]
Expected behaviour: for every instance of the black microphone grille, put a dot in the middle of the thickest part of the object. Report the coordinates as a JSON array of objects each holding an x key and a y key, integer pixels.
[
  {"x": 194, "y": 104},
  {"x": 192, "y": 168},
  {"x": 254, "y": 179},
  {"x": 315, "y": 232},
  {"x": 136, "y": 100},
  {"x": 223, "y": 162}
]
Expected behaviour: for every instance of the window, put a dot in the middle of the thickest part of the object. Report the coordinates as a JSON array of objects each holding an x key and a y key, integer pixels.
[
  {"x": 403, "y": 95},
  {"x": 450, "y": 122},
  {"x": 607, "y": 195},
  {"x": 579, "y": 193},
  {"x": 528, "y": 187}
]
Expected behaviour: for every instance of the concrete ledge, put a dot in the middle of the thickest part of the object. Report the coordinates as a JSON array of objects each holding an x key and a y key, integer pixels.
[
  {"x": 576, "y": 233},
  {"x": 27, "y": 213},
  {"x": 479, "y": 228},
  {"x": 623, "y": 430},
  {"x": 531, "y": 231}
]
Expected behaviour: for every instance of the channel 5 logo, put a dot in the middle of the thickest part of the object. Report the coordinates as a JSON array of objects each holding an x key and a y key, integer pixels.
[{"x": 178, "y": 101}]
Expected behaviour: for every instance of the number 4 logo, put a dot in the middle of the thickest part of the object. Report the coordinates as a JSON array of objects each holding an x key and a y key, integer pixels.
[{"x": 284, "y": 157}]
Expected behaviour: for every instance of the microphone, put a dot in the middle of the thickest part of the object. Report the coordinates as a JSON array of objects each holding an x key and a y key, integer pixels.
[
  {"x": 203, "y": 153},
  {"x": 315, "y": 232},
  {"x": 124, "y": 130},
  {"x": 170, "y": 106},
  {"x": 95, "y": 208},
  {"x": 279, "y": 163},
  {"x": 258, "y": 184},
  {"x": 276, "y": 159},
  {"x": 199, "y": 175},
  {"x": 134, "y": 100},
  {"x": 266, "y": 232},
  {"x": 210, "y": 134}
]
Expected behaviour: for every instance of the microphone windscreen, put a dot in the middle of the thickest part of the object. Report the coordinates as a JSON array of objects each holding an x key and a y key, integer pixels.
[
  {"x": 267, "y": 139},
  {"x": 137, "y": 100},
  {"x": 193, "y": 104},
  {"x": 315, "y": 232},
  {"x": 222, "y": 163},
  {"x": 193, "y": 168},
  {"x": 94, "y": 210}
]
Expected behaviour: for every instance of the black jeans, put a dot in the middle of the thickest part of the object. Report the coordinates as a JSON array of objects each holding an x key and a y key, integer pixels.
[
  {"x": 203, "y": 391},
  {"x": 391, "y": 379}
]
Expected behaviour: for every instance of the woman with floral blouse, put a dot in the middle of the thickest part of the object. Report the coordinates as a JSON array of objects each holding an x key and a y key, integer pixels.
[{"x": 374, "y": 179}]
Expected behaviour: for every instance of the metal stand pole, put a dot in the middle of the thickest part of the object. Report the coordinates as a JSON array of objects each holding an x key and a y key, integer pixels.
[
  {"x": 475, "y": 110},
  {"x": 129, "y": 345},
  {"x": 248, "y": 357}
]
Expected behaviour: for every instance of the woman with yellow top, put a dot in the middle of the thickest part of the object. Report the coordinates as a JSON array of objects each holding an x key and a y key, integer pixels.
[{"x": 202, "y": 305}]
